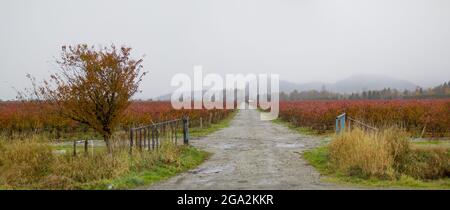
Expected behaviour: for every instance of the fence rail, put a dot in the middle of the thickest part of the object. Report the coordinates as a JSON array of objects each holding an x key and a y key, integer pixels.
[
  {"x": 85, "y": 146},
  {"x": 361, "y": 124},
  {"x": 149, "y": 137},
  {"x": 343, "y": 118}
]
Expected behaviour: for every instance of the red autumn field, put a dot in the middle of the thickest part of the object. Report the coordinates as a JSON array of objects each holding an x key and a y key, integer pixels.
[
  {"x": 19, "y": 117},
  {"x": 412, "y": 115},
  {"x": 141, "y": 113}
]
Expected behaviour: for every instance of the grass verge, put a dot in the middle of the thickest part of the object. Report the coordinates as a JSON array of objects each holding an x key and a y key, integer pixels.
[
  {"x": 386, "y": 160},
  {"x": 32, "y": 164},
  {"x": 190, "y": 158},
  {"x": 319, "y": 159}
]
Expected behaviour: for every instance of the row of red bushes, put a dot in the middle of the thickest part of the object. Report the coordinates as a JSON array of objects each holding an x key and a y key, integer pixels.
[
  {"x": 412, "y": 115},
  {"x": 38, "y": 117}
]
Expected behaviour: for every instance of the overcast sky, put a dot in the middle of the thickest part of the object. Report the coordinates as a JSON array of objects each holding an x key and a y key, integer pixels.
[{"x": 302, "y": 40}]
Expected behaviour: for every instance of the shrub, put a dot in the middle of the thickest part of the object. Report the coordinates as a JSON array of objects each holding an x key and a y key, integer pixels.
[
  {"x": 82, "y": 169},
  {"x": 428, "y": 163},
  {"x": 24, "y": 162},
  {"x": 386, "y": 154},
  {"x": 31, "y": 164},
  {"x": 430, "y": 115},
  {"x": 357, "y": 153}
]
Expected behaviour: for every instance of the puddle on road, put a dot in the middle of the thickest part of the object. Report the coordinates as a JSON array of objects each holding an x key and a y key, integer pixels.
[
  {"x": 212, "y": 170},
  {"x": 265, "y": 182},
  {"x": 285, "y": 145},
  {"x": 226, "y": 146}
]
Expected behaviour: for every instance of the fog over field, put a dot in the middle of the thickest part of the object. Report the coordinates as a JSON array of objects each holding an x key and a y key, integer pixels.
[{"x": 303, "y": 41}]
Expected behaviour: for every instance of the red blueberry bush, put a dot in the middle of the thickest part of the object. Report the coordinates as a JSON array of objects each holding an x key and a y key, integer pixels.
[{"x": 412, "y": 115}]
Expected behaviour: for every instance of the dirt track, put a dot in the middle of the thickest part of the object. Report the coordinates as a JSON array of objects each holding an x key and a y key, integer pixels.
[{"x": 251, "y": 154}]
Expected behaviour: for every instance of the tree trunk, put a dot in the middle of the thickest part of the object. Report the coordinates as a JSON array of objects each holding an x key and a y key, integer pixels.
[
  {"x": 108, "y": 143},
  {"x": 423, "y": 130},
  {"x": 58, "y": 133}
]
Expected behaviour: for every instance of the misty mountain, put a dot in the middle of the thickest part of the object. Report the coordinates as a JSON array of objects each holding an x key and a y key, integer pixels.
[
  {"x": 355, "y": 83},
  {"x": 288, "y": 87}
]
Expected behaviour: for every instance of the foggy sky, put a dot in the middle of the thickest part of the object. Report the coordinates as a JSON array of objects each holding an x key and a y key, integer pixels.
[{"x": 302, "y": 40}]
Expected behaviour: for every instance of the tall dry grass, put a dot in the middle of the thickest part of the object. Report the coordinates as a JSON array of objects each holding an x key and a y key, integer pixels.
[
  {"x": 32, "y": 164},
  {"x": 24, "y": 162},
  {"x": 385, "y": 154},
  {"x": 428, "y": 163}
]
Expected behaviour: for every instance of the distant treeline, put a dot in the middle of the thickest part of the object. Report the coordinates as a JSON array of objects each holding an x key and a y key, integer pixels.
[{"x": 441, "y": 91}]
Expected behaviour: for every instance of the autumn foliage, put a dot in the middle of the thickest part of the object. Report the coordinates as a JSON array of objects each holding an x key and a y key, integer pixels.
[
  {"x": 34, "y": 117},
  {"x": 431, "y": 116},
  {"x": 93, "y": 86}
]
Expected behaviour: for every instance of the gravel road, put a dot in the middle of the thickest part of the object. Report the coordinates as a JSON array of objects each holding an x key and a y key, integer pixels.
[{"x": 251, "y": 154}]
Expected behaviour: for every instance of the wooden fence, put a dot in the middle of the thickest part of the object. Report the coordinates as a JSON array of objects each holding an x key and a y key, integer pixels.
[{"x": 149, "y": 137}]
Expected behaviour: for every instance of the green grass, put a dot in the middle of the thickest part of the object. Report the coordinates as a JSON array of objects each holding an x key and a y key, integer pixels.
[
  {"x": 431, "y": 145},
  {"x": 201, "y": 132},
  {"x": 80, "y": 135},
  {"x": 442, "y": 144},
  {"x": 191, "y": 157},
  {"x": 318, "y": 158},
  {"x": 433, "y": 142}
]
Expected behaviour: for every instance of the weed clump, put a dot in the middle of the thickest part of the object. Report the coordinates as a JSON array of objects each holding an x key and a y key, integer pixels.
[
  {"x": 385, "y": 154},
  {"x": 32, "y": 164}
]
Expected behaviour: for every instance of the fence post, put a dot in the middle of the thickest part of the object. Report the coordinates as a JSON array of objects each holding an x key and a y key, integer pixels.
[
  {"x": 210, "y": 118},
  {"x": 75, "y": 148},
  {"x": 92, "y": 147},
  {"x": 148, "y": 138},
  {"x": 186, "y": 130},
  {"x": 337, "y": 125},
  {"x": 140, "y": 139},
  {"x": 86, "y": 147},
  {"x": 340, "y": 123},
  {"x": 131, "y": 140},
  {"x": 153, "y": 136}
]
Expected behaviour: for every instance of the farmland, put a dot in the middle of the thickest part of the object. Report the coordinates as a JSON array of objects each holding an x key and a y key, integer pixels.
[
  {"x": 430, "y": 117},
  {"x": 22, "y": 119},
  {"x": 29, "y": 131},
  {"x": 89, "y": 99}
]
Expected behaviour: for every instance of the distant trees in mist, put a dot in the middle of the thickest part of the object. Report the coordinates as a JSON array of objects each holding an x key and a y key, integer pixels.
[{"x": 440, "y": 91}]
